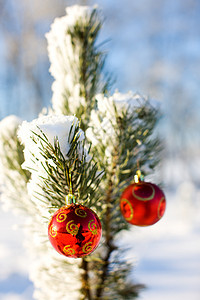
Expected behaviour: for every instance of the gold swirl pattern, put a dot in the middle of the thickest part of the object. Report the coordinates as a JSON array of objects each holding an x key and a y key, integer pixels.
[
  {"x": 68, "y": 251},
  {"x": 87, "y": 247},
  {"x": 92, "y": 227},
  {"x": 147, "y": 198},
  {"x": 159, "y": 207},
  {"x": 80, "y": 212},
  {"x": 53, "y": 231},
  {"x": 131, "y": 209},
  {"x": 72, "y": 228},
  {"x": 61, "y": 217}
]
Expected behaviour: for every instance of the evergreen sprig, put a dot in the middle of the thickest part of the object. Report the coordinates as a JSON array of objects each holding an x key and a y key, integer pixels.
[
  {"x": 13, "y": 156},
  {"x": 71, "y": 173},
  {"x": 15, "y": 178}
]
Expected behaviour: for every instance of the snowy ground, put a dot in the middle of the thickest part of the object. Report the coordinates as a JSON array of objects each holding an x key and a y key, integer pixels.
[
  {"x": 166, "y": 255},
  {"x": 14, "y": 282}
]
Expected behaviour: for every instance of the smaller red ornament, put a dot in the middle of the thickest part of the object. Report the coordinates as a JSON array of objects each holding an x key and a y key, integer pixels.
[
  {"x": 142, "y": 203},
  {"x": 74, "y": 230}
]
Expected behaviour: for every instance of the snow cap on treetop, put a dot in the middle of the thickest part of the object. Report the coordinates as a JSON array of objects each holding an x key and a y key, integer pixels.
[
  {"x": 64, "y": 56},
  {"x": 59, "y": 41}
]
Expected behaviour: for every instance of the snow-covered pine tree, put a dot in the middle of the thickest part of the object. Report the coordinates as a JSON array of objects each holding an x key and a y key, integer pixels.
[{"x": 119, "y": 134}]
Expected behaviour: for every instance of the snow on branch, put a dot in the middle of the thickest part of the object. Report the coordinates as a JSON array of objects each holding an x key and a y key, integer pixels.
[{"x": 54, "y": 152}]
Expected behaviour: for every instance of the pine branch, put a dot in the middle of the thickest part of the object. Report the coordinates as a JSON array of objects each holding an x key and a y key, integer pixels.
[
  {"x": 132, "y": 141},
  {"x": 14, "y": 180},
  {"x": 85, "y": 67},
  {"x": 71, "y": 171},
  {"x": 13, "y": 156},
  {"x": 86, "y": 289}
]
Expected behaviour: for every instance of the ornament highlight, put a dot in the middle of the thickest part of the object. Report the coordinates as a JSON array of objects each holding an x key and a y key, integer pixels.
[
  {"x": 142, "y": 203},
  {"x": 74, "y": 230}
]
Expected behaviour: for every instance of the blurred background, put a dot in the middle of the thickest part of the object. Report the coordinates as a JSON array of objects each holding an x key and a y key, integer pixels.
[{"x": 153, "y": 49}]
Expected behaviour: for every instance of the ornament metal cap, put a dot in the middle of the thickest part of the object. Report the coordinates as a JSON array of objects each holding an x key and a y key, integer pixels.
[
  {"x": 138, "y": 177},
  {"x": 70, "y": 198}
]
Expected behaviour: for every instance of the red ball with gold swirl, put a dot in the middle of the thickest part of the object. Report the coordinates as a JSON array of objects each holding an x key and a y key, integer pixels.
[
  {"x": 74, "y": 230},
  {"x": 142, "y": 203}
]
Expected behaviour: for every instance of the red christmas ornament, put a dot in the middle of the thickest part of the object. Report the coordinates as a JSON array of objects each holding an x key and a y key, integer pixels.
[
  {"x": 74, "y": 230},
  {"x": 142, "y": 203}
]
